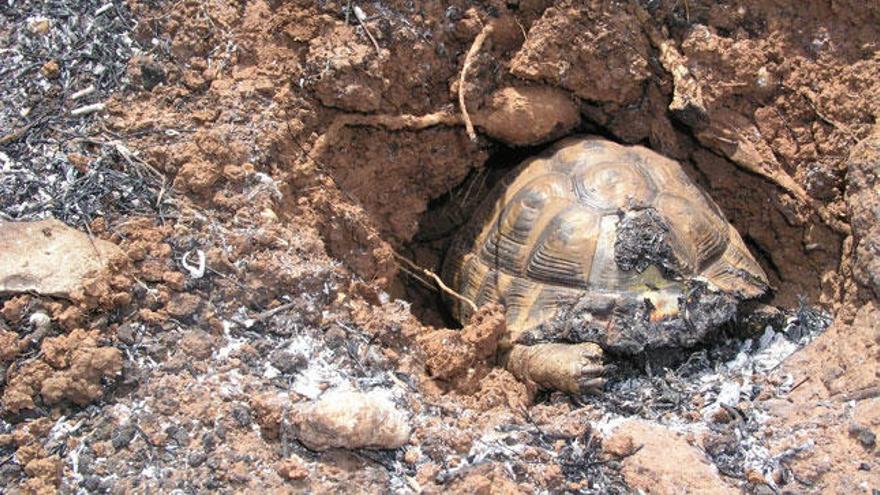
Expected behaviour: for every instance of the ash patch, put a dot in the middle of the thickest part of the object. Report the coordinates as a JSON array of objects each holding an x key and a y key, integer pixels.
[
  {"x": 642, "y": 240},
  {"x": 719, "y": 394},
  {"x": 515, "y": 446},
  {"x": 49, "y": 185},
  {"x": 60, "y": 61},
  {"x": 51, "y": 52},
  {"x": 623, "y": 325}
]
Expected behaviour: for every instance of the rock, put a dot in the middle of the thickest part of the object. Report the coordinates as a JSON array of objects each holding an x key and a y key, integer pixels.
[
  {"x": 292, "y": 469},
  {"x": 51, "y": 69},
  {"x": 39, "y": 25},
  {"x": 196, "y": 459},
  {"x": 123, "y": 436},
  {"x": 866, "y": 437},
  {"x": 267, "y": 409},
  {"x": 485, "y": 330},
  {"x": 198, "y": 344},
  {"x": 528, "y": 115},
  {"x": 664, "y": 461},
  {"x": 288, "y": 362},
  {"x": 351, "y": 420},
  {"x": 152, "y": 74},
  {"x": 126, "y": 334},
  {"x": 755, "y": 477},
  {"x": 619, "y": 445},
  {"x": 242, "y": 415},
  {"x": 595, "y": 50},
  {"x": 184, "y": 306},
  {"x": 446, "y": 353},
  {"x": 48, "y": 257}
]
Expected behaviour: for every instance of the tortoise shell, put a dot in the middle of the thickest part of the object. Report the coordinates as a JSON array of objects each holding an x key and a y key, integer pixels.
[{"x": 592, "y": 218}]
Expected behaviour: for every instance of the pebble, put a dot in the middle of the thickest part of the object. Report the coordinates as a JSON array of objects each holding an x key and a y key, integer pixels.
[
  {"x": 196, "y": 459},
  {"x": 152, "y": 74},
  {"x": 620, "y": 445},
  {"x": 866, "y": 437},
  {"x": 123, "y": 436},
  {"x": 125, "y": 334},
  {"x": 242, "y": 415},
  {"x": 351, "y": 420},
  {"x": 292, "y": 469},
  {"x": 51, "y": 69}
]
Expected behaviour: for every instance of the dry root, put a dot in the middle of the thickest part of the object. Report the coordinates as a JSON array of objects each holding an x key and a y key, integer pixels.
[
  {"x": 443, "y": 287},
  {"x": 468, "y": 60}
]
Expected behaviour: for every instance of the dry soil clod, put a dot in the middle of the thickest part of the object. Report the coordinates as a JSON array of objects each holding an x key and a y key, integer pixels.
[{"x": 722, "y": 129}]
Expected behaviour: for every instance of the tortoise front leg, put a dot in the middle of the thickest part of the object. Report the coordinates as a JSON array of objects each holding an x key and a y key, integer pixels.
[{"x": 572, "y": 368}]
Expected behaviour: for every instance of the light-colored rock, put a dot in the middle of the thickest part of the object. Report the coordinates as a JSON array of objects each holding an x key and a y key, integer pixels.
[
  {"x": 48, "y": 257},
  {"x": 528, "y": 115},
  {"x": 665, "y": 463},
  {"x": 351, "y": 420}
]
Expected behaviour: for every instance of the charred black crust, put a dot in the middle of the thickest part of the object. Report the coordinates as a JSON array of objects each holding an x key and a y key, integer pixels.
[
  {"x": 643, "y": 240},
  {"x": 622, "y": 325}
]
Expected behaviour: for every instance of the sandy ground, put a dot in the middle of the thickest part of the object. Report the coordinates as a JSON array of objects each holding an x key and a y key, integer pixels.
[{"x": 262, "y": 165}]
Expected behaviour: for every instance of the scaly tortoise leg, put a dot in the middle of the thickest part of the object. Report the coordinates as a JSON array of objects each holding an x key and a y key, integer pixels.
[{"x": 572, "y": 368}]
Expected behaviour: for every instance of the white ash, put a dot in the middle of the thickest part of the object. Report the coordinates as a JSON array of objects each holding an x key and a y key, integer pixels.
[
  {"x": 37, "y": 134},
  {"x": 723, "y": 380}
]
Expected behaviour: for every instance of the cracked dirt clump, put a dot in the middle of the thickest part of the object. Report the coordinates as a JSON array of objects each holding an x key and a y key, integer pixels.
[
  {"x": 72, "y": 368},
  {"x": 597, "y": 54},
  {"x": 462, "y": 358}
]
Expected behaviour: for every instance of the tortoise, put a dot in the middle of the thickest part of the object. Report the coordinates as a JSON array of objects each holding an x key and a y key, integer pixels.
[{"x": 596, "y": 247}]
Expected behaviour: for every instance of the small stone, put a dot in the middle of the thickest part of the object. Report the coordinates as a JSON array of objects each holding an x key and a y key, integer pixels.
[
  {"x": 292, "y": 469},
  {"x": 288, "y": 362},
  {"x": 233, "y": 173},
  {"x": 92, "y": 483},
  {"x": 174, "y": 280},
  {"x": 721, "y": 416},
  {"x": 39, "y": 25},
  {"x": 666, "y": 463},
  {"x": 619, "y": 445},
  {"x": 209, "y": 441},
  {"x": 178, "y": 434},
  {"x": 351, "y": 420},
  {"x": 14, "y": 309},
  {"x": 195, "y": 459},
  {"x": 755, "y": 477},
  {"x": 184, "y": 306},
  {"x": 9, "y": 471},
  {"x": 242, "y": 415},
  {"x": 123, "y": 436},
  {"x": 121, "y": 299},
  {"x": 411, "y": 456},
  {"x": 33, "y": 251},
  {"x": 152, "y": 74},
  {"x": 549, "y": 111},
  {"x": 197, "y": 344},
  {"x": 866, "y": 437},
  {"x": 51, "y": 69},
  {"x": 125, "y": 334}
]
